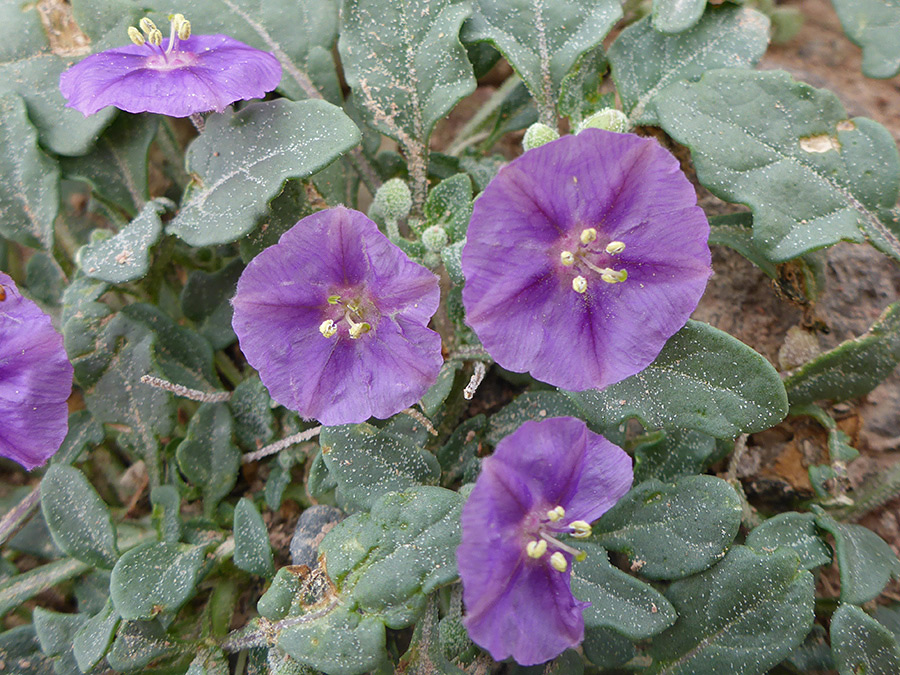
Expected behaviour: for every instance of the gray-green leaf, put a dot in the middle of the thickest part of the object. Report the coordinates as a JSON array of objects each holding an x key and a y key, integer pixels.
[
  {"x": 207, "y": 456},
  {"x": 703, "y": 379},
  {"x": 95, "y": 637},
  {"x": 154, "y": 578},
  {"x": 874, "y": 26},
  {"x": 252, "y": 550},
  {"x": 29, "y": 179},
  {"x": 242, "y": 159},
  {"x": 792, "y": 530},
  {"x": 644, "y": 61},
  {"x": 388, "y": 560},
  {"x": 741, "y": 617},
  {"x": 618, "y": 600},
  {"x": 790, "y": 153},
  {"x": 862, "y": 645},
  {"x": 125, "y": 256},
  {"x": 672, "y": 530},
  {"x": 78, "y": 519},
  {"x": 406, "y": 65},
  {"x": 542, "y": 41},
  {"x": 674, "y": 16},
  {"x": 865, "y": 561},
  {"x": 368, "y": 462},
  {"x": 853, "y": 368}
]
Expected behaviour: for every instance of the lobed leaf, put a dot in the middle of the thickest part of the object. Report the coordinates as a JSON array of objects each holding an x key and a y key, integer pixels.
[
  {"x": 29, "y": 179},
  {"x": 126, "y": 255},
  {"x": 742, "y": 616},
  {"x": 77, "y": 517},
  {"x": 645, "y": 61},
  {"x": 853, "y": 368},
  {"x": 873, "y": 25},
  {"x": 155, "y": 578},
  {"x": 542, "y": 41},
  {"x": 865, "y": 561},
  {"x": 862, "y": 645},
  {"x": 368, "y": 462},
  {"x": 386, "y": 561},
  {"x": 796, "y": 531},
  {"x": 618, "y": 600},
  {"x": 790, "y": 153},
  {"x": 672, "y": 530},
  {"x": 242, "y": 160},
  {"x": 703, "y": 379}
]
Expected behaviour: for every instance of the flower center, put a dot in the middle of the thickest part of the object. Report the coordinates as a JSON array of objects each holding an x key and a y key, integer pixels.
[
  {"x": 588, "y": 260},
  {"x": 348, "y": 312},
  {"x": 541, "y": 536},
  {"x": 164, "y": 59}
]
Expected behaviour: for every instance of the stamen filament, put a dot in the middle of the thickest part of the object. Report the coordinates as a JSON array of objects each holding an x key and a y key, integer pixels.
[{"x": 550, "y": 539}]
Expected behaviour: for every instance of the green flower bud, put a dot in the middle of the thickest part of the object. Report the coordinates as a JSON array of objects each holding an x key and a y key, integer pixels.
[
  {"x": 537, "y": 135},
  {"x": 393, "y": 200},
  {"x": 435, "y": 238},
  {"x": 609, "y": 119}
]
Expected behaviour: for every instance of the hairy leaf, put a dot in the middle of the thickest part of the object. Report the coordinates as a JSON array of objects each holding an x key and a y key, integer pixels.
[
  {"x": 873, "y": 25},
  {"x": 862, "y": 645},
  {"x": 645, "y": 61},
  {"x": 703, "y": 380},
  {"x": 126, "y": 255},
  {"x": 790, "y": 153}
]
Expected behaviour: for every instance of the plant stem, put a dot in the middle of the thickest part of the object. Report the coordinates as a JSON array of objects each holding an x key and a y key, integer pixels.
[{"x": 481, "y": 118}]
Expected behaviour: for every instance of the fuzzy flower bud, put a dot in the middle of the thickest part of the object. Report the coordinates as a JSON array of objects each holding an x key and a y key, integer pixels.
[
  {"x": 393, "y": 200},
  {"x": 608, "y": 119},
  {"x": 537, "y": 135},
  {"x": 435, "y": 238}
]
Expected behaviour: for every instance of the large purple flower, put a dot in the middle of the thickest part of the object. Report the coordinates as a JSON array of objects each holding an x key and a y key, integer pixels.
[
  {"x": 35, "y": 380},
  {"x": 334, "y": 317},
  {"x": 546, "y": 479},
  {"x": 583, "y": 257},
  {"x": 176, "y": 77}
]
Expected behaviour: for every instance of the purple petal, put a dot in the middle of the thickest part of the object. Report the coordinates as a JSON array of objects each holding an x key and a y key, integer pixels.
[
  {"x": 35, "y": 381},
  {"x": 515, "y": 605},
  {"x": 519, "y": 297},
  {"x": 217, "y": 70},
  {"x": 282, "y": 299}
]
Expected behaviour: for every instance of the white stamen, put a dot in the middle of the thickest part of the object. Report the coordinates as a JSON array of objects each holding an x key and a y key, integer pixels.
[
  {"x": 588, "y": 235},
  {"x": 328, "y": 328},
  {"x": 579, "y": 284},
  {"x": 535, "y": 549},
  {"x": 557, "y": 513},
  {"x": 581, "y": 529},
  {"x": 558, "y": 562},
  {"x": 566, "y": 258},
  {"x": 615, "y": 247},
  {"x": 614, "y": 276},
  {"x": 358, "y": 329}
]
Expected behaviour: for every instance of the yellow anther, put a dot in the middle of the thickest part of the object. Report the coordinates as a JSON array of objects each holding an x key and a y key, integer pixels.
[
  {"x": 579, "y": 284},
  {"x": 176, "y": 20},
  {"x": 334, "y": 299},
  {"x": 615, "y": 247},
  {"x": 566, "y": 258},
  {"x": 136, "y": 36},
  {"x": 581, "y": 529},
  {"x": 328, "y": 328},
  {"x": 588, "y": 235},
  {"x": 359, "y": 329},
  {"x": 614, "y": 277},
  {"x": 557, "y": 513},
  {"x": 147, "y": 26},
  {"x": 558, "y": 561},
  {"x": 184, "y": 30},
  {"x": 154, "y": 37},
  {"x": 535, "y": 549}
]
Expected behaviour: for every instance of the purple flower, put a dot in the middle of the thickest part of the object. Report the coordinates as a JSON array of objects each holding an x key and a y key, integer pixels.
[
  {"x": 584, "y": 256},
  {"x": 176, "y": 76},
  {"x": 35, "y": 380},
  {"x": 334, "y": 317},
  {"x": 546, "y": 479}
]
